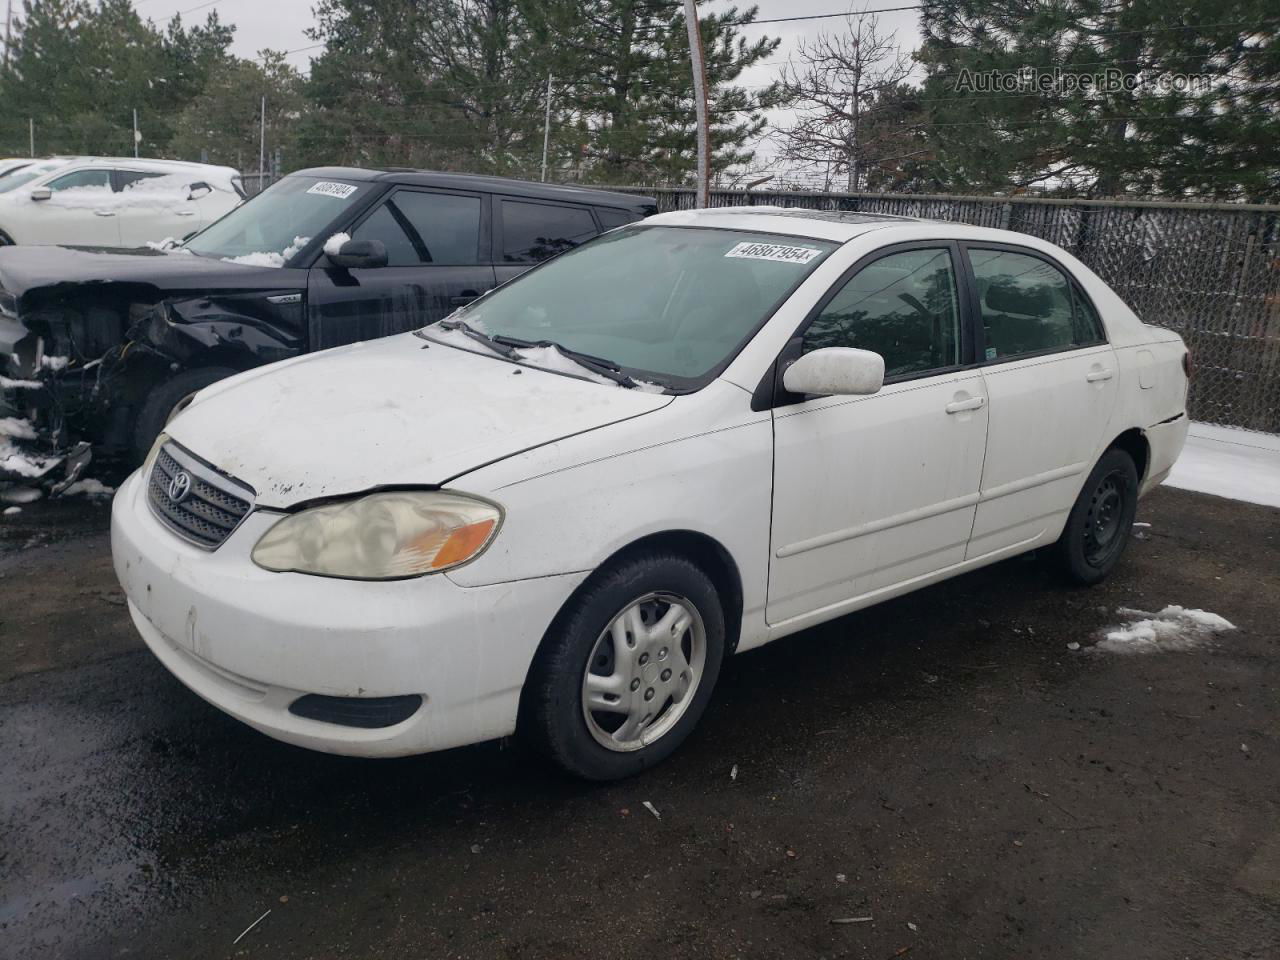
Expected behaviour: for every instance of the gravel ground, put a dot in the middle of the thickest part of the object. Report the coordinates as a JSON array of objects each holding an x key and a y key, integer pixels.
[{"x": 942, "y": 764}]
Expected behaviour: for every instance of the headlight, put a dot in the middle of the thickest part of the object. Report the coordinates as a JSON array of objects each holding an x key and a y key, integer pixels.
[{"x": 382, "y": 536}]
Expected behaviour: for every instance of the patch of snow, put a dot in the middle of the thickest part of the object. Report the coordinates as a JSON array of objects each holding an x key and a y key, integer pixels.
[
  {"x": 7, "y": 384},
  {"x": 291, "y": 251},
  {"x": 88, "y": 487},
  {"x": 258, "y": 259},
  {"x": 335, "y": 242},
  {"x": 169, "y": 245},
  {"x": 17, "y": 428},
  {"x": 11, "y": 511},
  {"x": 1236, "y": 464},
  {"x": 19, "y": 494},
  {"x": 269, "y": 258},
  {"x": 54, "y": 363},
  {"x": 1173, "y": 628},
  {"x": 549, "y": 358},
  {"x": 16, "y": 461}
]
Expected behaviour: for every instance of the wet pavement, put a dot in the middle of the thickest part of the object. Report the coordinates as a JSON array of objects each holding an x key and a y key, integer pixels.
[{"x": 942, "y": 764}]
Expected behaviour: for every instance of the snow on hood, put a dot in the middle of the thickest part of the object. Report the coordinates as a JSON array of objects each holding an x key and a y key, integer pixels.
[{"x": 396, "y": 411}]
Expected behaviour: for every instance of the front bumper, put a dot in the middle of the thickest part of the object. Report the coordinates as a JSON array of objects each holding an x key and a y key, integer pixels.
[{"x": 251, "y": 642}]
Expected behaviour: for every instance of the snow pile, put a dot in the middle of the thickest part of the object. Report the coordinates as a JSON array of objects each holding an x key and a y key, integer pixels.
[
  {"x": 1226, "y": 462},
  {"x": 168, "y": 245},
  {"x": 15, "y": 427},
  {"x": 12, "y": 511},
  {"x": 165, "y": 192},
  {"x": 54, "y": 363},
  {"x": 333, "y": 245},
  {"x": 18, "y": 462},
  {"x": 271, "y": 258},
  {"x": 89, "y": 487},
  {"x": 549, "y": 358},
  {"x": 1173, "y": 628},
  {"x": 7, "y": 384},
  {"x": 19, "y": 494}
]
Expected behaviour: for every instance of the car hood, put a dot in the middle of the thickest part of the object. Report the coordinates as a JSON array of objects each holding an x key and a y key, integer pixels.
[
  {"x": 30, "y": 273},
  {"x": 392, "y": 412}
]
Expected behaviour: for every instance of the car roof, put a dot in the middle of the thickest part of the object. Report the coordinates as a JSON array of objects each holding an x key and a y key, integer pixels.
[
  {"x": 487, "y": 184},
  {"x": 836, "y": 225},
  {"x": 140, "y": 162}
]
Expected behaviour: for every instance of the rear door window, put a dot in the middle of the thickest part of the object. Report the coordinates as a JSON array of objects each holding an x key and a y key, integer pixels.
[
  {"x": 533, "y": 232},
  {"x": 1027, "y": 305},
  {"x": 611, "y": 217}
]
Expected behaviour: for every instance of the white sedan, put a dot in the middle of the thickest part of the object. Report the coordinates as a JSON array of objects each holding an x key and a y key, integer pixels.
[
  {"x": 559, "y": 509},
  {"x": 112, "y": 202}
]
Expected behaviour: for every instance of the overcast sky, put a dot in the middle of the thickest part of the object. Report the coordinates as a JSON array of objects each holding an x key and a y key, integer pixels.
[{"x": 282, "y": 25}]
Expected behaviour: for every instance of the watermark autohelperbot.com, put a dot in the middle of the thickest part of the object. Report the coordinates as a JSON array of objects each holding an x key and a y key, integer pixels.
[{"x": 1057, "y": 80}]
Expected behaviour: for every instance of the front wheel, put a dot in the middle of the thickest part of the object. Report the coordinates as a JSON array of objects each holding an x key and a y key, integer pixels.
[
  {"x": 628, "y": 668},
  {"x": 166, "y": 401},
  {"x": 1101, "y": 520}
]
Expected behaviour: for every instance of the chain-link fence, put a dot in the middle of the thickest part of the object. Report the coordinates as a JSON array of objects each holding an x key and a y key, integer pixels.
[{"x": 1209, "y": 271}]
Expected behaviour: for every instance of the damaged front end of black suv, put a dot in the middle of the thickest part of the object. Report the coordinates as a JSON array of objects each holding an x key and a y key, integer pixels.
[{"x": 90, "y": 363}]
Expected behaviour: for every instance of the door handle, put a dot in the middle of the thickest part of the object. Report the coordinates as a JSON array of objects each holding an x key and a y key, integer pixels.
[
  {"x": 104, "y": 213},
  {"x": 1097, "y": 375},
  {"x": 464, "y": 298},
  {"x": 960, "y": 406},
  {"x": 186, "y": 213}
]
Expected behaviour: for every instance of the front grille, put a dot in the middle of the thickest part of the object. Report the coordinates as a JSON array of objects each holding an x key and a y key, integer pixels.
[{"x": 210, "y": 509}]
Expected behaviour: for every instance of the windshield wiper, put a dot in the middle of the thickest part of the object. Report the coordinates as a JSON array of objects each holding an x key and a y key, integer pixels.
[
  {"x": 605, "y": 368},
  {"x": 495, "y": 344}
]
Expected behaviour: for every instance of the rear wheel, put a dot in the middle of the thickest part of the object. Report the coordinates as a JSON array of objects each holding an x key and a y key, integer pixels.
[
  {"x": 628, "y": 669},
  {"x": 1101, "y": 520},
  {"x": 166, "y": 400}
]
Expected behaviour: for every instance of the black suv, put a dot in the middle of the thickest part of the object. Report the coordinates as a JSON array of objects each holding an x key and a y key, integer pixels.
[{"x": 324, "y": 257}]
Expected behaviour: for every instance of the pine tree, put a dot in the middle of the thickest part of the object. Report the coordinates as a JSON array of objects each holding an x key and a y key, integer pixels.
[{"x": 1135, "y": 139}]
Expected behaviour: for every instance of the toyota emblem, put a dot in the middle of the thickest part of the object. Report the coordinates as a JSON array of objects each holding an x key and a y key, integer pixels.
[{"x": 179, "y": 486}]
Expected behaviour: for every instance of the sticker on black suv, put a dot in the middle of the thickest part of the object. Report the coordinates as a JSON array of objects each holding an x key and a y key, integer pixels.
[{"x": 327, "y": 188}]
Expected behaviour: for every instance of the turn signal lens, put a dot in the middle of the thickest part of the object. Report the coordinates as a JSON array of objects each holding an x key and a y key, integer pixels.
[{"x": 383, "y": 536}]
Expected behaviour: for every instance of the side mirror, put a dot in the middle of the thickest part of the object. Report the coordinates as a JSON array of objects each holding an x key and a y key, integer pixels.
[
  {"x": 198, "y": 190},
  {"x": 360, "y": 253},
  {"x": 41, "y": 193},
  {"x": 836, "y": 371}
]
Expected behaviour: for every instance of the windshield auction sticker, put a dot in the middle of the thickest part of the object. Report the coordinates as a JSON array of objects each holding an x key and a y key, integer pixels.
[
  {"x": 774, "y": 251},
  {"x": 327, "y": 188}
]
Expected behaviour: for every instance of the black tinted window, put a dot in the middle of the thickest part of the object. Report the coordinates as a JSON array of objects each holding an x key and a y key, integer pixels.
[
  {"x": 383, "y": 225},
  {"x": 533, "y": 232},
  {"x": 1026, "y": 304},
  {"x": 610, "y": 218},
  {"x": 447, "y": 226},
  {"x": 903, "y": 307}
]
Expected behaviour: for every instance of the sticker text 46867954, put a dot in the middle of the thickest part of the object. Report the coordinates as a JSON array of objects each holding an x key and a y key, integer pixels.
[{"x": 781, "y": 252}]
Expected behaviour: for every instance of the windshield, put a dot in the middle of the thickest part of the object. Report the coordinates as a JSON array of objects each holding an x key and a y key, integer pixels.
[
  {"x": 670, "y": 303},
  {"x": 267, "y": 228},
  {"x": 23, "y": 175}
]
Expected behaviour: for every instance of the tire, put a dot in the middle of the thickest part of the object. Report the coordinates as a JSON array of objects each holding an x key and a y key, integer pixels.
[
  {"x": 584, "y": 642},
  {"x": 164, "y": 400},
  {"x": 1101, "y": 520}
]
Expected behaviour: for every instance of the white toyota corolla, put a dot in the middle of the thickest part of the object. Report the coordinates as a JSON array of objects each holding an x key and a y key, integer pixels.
[{"x": 559, "y": 509}]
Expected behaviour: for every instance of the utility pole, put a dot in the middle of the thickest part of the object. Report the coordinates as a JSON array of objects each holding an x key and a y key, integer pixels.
[
  {"x": 262, "y": 147},
  {"x": 546, "y": 130},
  {"x": 136, "y": 136},
  {"x": 31, "y": 127},
  {"x": 8, "y": 34},
  {"x": 699, "y": 101}
]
